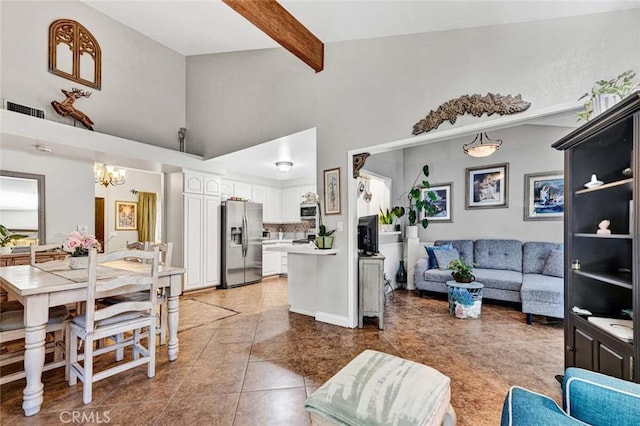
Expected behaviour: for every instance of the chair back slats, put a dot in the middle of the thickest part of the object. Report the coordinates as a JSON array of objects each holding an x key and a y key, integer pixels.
[
  {"x": 166, "y": 252},
  {"x": 138, "y": 245},
  {"x": 121, "y": 285},
  {"x": 34, "y": 249}
]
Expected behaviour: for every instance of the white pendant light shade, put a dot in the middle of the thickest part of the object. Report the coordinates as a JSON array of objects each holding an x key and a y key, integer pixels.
[
  {"x": 284, "y": 166},
  {"x": 482, "y": 146}
]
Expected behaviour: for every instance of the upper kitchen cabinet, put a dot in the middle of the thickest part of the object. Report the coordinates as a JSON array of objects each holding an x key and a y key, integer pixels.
[
  {"x": 270, "y": 198},
  {"x": 242, "y": 190},
  {"x": 198, "y": 183},
  {"x": 291, "y": 200}
]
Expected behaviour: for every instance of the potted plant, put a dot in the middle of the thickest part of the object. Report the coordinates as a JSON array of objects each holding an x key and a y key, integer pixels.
[
  {"x": 324, "y": 239},
  {"x": 462, "y": 271},
  {"x": 386, "y": 220},
  {"x": 606, "y": 93},
  {"x": 6, "y": 239},
  {"x": 416, "y": 204}
]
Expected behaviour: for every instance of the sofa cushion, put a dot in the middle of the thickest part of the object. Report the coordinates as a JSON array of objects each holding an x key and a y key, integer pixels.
[
  {"x": 542, "y": 288},
  {"x": 554, "y": 266},
  {"x": 534, "y": 256},
  {"x": 444, "y": 257},
  {"x": 433, "y": 262},
  {"x": 500, "y": 279},
  {"x": 498, "y": 254},
  {"x": 437, "y": 275},
  {"x": 464, "y": 247}
]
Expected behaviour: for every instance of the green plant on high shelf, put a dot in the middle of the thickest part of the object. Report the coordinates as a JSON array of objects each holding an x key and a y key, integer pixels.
[
  {"x": 418, "y": 204},
  {"x": 385, "y": 218},
  {"x": 6, "y": 238},
  {"x": 462, "y": 271},
  {"x": 617, "y": 88}
]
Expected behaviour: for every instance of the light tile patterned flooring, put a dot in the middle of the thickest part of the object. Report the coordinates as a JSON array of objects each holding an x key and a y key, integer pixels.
[{"x": 259, "y": 366}]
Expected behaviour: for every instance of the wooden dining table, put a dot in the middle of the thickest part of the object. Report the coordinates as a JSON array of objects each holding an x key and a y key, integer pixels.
[{"x": 39, "y": 287}]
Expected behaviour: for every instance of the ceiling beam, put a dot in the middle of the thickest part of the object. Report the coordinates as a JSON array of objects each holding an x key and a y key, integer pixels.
[{"x": 274, "y": 20}]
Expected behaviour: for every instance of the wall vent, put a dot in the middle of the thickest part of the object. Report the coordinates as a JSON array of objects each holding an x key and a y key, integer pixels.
[{"x": 22, "y": 109}]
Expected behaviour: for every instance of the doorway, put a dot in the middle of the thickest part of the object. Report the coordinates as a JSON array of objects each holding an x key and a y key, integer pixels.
[{"x": 99, "y": 221}]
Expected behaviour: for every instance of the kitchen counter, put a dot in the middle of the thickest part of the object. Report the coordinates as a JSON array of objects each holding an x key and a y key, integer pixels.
[{"x": 308, "y": 249}]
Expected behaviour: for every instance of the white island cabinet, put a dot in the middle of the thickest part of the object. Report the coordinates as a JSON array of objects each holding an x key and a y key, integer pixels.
[
  {"x": 303, "y": 286},
  {"x": 193, "y": 225}
]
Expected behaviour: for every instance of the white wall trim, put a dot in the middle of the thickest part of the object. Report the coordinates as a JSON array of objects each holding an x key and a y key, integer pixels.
[{"x": 334, "y": 319}]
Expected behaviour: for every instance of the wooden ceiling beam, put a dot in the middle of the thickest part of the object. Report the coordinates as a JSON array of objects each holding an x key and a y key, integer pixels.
[{"x": 274, "y": 20}]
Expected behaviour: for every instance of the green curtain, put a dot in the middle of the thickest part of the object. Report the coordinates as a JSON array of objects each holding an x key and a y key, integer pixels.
[{"x": 147, "y": 216}]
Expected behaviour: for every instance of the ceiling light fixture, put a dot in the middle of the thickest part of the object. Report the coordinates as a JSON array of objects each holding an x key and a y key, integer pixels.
[
  {"x": 284, "y": 166},
  {"x": 485, "y": 146},
  {"x": 108, "y": 175}
]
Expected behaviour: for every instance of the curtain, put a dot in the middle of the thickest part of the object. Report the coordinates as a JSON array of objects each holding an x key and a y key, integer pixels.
[{"x": 147, "y": 216}]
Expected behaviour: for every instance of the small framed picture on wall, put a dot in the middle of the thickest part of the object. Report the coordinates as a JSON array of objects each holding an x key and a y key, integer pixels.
[
  {"x": 442, "y": 202},
  {"x": 487, "y": 187},
  {"x": 126, "y": 216},
  {"x": 332, "y": 191},
  {"x": 544, "y": 196}
]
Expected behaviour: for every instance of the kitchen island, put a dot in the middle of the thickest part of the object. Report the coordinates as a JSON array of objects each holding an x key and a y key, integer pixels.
[{"x": 308, "y": 268}]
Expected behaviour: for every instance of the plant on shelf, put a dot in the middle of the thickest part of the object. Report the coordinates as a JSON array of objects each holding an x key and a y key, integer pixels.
[
  {"x": 324, "y": 239},
  {"x": 385, "y": 218},
  {"x": 416, "y": 204},
  {"x": 6, "y": 239},
  {"x": 462, "y": 271},
  {"x": 617, "y": 88}
]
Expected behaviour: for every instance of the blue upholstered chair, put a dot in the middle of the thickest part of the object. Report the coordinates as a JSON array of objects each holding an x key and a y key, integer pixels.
[{"x": 587, "y": 397}]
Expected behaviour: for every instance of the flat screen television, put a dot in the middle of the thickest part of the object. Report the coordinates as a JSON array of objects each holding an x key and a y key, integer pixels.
[{"x": 368, "y": 235}]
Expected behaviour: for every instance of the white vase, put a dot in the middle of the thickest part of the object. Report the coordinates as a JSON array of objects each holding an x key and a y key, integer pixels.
[
  {"x": 79, "y": 262},
  {"x": 387, "y": 228},
  {"x": 411, "y": 231},
  {"x": 603, "y": 102}
]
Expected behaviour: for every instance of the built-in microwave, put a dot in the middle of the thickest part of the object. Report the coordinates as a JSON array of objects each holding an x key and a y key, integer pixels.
[{"x": 308, "y": 211}]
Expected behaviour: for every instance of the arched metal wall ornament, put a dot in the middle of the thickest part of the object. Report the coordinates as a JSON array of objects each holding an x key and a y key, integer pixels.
[
  {"x": 358, "y": 163},
  {"x": 66, "y": 33},
  {"x": 476, "y": 105}
]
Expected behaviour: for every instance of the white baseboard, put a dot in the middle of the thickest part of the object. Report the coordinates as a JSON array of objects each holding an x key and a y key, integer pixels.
[
  {"x": 302, "y": 311},
  {"x": 340, "y": 320}
]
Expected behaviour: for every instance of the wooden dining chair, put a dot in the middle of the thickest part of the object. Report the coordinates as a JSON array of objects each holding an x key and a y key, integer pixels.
[
  {"x": 114, "y": 320},
  {"x": 34, "y": 250}
]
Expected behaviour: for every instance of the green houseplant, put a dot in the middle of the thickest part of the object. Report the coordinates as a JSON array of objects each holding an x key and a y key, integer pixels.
[
  {"x": 324, "y": 238},
  {"x": 385, "y": 218},
  {"x": 605, "y": 93},
  {"x": 416, "y": 203},
  {"x": 462, "y": 271},
  {"x": 6, "y": 238}
]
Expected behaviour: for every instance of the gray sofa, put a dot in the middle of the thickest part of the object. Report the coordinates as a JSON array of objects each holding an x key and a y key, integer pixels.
[{"x": 510, "y": 271}]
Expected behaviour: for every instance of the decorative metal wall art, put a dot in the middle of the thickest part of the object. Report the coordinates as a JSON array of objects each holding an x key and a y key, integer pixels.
[
  {"x": 79, "y": 52},
  {"x": 65, "y": 107},
  {"x": 476, "y": 105},
  {"x": 358, "y": 163}
]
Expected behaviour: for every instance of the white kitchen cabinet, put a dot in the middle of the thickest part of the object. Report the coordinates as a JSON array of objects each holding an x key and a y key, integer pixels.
[
  {"x": 259, "y": 195},
  {"x": 242, "y": 190},
  {"x": 291, "y": 200},
  {"x": 226, "y": 189},
  {"x": 284, "y": 263},
  {"x": 270, "y": 263},
  {"x": 193, "y": 225}
]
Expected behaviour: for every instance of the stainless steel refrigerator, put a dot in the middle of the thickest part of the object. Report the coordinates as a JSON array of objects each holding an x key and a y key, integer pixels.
[{"x": 241, "y": 243}]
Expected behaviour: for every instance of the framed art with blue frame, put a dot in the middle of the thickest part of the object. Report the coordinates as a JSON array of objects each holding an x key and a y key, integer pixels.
[
  {"x": 443, "y": 212},
  {"x": 544, "y": 196}
]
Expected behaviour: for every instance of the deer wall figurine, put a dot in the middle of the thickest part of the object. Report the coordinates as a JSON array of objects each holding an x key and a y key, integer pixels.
[{"x": 65, "y": 107}]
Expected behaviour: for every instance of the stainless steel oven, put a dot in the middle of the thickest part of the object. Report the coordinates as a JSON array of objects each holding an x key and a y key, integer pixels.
[{"x": 308, "y": 211}]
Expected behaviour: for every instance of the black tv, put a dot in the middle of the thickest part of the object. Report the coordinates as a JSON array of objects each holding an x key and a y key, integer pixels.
[{"x": 368, "y": 235}]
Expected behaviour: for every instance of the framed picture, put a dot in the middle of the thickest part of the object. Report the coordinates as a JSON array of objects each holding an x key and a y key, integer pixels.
[
  {"x": 544, "y": 196},
  {"x": 332, "y": 191},
  {"x": 487, "y": 187},
  {"x": 126, "y": 215},
  {"x": 443, "y": 211}
]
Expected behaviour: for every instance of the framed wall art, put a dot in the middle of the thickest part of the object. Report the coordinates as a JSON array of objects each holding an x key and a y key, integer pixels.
[
  {"x": 126, "y": 216},
  {"x": 442, "y": 202},
  {"x": 332, "y": 191},
  {"x": 544, "y": 196},
  {"x": 487, "y": 187}
]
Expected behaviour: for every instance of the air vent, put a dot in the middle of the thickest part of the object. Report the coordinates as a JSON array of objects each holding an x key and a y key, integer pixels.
[{"x": 25, "y": 110}]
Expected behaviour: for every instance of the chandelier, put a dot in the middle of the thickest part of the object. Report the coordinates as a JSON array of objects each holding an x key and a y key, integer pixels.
[
  {"x": 108, "y": 175},
  {"x": 485, "y": 146}
]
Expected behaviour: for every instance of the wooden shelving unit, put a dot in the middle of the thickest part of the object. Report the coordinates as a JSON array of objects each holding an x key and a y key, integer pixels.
[{"x": 608, "y": 279}]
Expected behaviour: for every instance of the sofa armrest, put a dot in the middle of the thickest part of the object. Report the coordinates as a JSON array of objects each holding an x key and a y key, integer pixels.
[
  {"x": 422, "y": 265},
  {"x": 524, "y": 407},
  {"x": 598, "y": 399}
]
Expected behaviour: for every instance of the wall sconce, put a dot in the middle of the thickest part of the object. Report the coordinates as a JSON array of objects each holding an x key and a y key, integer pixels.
[
  {"x": 108, "y": 175},
  {"x": 284, "y": 166},
  {"x": 485, "y": 146}
]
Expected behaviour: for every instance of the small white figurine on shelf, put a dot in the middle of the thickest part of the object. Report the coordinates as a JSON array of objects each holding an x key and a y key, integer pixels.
[{"x": 603, "y": 228}]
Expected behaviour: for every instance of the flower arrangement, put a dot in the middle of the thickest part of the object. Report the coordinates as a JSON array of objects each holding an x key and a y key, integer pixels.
[
  {"x": 325, "y": 237},
  {"x": 77, "y": 244}
]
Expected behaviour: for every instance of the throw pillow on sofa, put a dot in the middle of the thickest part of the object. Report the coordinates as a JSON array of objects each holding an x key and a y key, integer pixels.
[
  {"x": 554, "y": 266},
  {"x": 433, "y": 263},
  {"x": 445, "y": 256}
]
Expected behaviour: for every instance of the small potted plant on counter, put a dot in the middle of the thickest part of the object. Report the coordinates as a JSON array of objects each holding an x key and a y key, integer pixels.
[
  {"x": 6, "y": 239},
  {"x": 462, "y": 271},
  {"x": 324, "y": 239},
  {"x": 386, "y": 220}
]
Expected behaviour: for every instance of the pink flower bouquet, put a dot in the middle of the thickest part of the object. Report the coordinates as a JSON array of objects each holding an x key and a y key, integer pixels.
[{"x": 77, "y": 244}]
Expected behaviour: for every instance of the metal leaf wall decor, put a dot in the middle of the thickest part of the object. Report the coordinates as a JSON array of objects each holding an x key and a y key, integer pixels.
[{"x": 476, "y": 105}]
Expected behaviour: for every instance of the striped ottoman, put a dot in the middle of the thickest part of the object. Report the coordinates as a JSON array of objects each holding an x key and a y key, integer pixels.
[{"x": 380, "y": 389}]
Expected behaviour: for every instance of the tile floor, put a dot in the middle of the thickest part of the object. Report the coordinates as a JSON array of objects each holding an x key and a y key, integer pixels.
[{"x": 258, "y": 366}]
